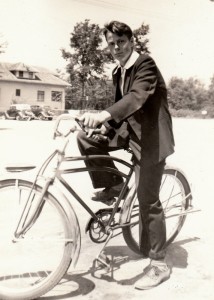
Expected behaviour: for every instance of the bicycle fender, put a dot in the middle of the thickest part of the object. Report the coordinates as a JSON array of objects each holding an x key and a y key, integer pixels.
[
  {"x": 65, "y": 203},
  {"x": 125, "y": 213},
  {"x": 173, "y": 167},
  {"x": 188, "y": 183},
  {"x": 72, "y": 218}
]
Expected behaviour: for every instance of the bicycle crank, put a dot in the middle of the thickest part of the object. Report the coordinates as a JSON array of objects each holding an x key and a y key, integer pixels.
[{"x": 97, "y": 227}]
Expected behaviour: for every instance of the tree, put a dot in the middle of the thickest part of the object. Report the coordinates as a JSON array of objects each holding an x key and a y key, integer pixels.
[
  {"x": 3, "y": 44},
  {"x": 140, "y": 40},
  {"x": 211, "y": 91},
  {"x": 88, "y": 58},
  {"x": 187, "y": 94}
]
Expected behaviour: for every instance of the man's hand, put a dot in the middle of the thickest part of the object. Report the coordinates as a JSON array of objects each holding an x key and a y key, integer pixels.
[
  {"x": 93, "y": 120},
  {"x": 98, "y": 134}
]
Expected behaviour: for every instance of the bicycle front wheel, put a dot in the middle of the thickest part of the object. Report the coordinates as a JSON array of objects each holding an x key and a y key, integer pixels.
[
  {"x": 175, "y": 195},
  {"x": 33, "y": 264}
]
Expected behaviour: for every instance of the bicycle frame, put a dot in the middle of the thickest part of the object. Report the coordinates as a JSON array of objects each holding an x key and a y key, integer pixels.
[
  {"x": 60, "y": 173},
  {"x": 25, "y": 223}
]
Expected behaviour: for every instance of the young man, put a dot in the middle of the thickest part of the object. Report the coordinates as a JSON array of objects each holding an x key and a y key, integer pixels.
[{"x": 141, "y": 105}]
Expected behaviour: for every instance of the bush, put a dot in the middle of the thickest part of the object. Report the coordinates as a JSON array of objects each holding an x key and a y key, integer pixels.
[{"x": 187, "y": 113}]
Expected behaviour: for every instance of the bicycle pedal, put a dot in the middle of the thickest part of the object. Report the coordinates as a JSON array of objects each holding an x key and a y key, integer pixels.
[{"x": 103, "y": 260}]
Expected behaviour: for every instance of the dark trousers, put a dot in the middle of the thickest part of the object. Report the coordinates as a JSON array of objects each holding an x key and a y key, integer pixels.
[
  {"x": 148, "y": 179},
  {"x": 89, "y": 146}
]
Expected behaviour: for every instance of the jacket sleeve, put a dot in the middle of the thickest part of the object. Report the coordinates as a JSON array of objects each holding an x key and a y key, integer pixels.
[{"x": 143, "y": 85}]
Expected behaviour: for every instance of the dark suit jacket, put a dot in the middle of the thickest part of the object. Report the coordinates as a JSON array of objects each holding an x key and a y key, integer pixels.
[{"x": 144, "y": 106}]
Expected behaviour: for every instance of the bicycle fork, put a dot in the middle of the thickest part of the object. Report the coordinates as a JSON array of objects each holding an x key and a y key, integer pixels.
[{"x": 26, "y": 221}]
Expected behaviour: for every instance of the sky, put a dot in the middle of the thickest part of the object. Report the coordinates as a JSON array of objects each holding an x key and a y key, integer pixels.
[{"x": 181, "y": 38}]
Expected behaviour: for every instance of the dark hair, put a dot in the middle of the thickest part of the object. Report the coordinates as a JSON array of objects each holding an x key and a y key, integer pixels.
[{"x": 118, "y": 28}]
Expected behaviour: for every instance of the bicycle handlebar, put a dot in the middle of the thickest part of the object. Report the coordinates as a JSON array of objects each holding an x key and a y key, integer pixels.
[
  {"x": 58, "y": 120},
  {"x": 65, "y": 117}
]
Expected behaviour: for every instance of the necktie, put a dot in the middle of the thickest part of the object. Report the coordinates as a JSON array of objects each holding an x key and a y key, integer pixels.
[{"x": 122, "y": 78}]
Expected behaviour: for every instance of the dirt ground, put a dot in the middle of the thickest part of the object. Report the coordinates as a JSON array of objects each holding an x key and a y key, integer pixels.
[{"x": 190, "y": 256}]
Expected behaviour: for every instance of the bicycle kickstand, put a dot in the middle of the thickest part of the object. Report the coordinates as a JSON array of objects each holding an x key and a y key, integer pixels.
[{"x": 101, "y": 257}]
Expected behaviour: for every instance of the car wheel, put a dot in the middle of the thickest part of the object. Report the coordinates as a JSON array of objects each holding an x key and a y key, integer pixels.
[{"x": 41, "y": 117}]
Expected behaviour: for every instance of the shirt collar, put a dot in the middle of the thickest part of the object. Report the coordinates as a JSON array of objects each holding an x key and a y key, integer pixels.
[{"x": 130, "y": 62}]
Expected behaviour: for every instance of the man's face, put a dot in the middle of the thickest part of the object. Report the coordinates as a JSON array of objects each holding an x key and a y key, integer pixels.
[{"x": 120, "y": 47}]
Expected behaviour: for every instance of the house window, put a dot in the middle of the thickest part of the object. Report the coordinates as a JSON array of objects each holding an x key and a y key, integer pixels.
[
  {"x": 18, "y": 92},
  {"x": 56, "y": 96},
  {"x": 31, "y": 75},
  {"x": 21, "y": 74},
  {"x": 40, "y": 96}
]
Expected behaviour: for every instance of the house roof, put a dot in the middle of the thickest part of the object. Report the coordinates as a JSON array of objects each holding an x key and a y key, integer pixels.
[
  {"x": 43, "y": 75},
  {"x": 22, "y": 67}
]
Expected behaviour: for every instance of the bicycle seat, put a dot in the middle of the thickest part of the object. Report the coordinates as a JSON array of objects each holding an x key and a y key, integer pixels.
[{"x": 19, "y": 167}]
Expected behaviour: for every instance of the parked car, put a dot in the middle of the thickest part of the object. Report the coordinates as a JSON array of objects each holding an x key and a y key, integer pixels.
[
  {"x": 20, "y": 112},
  {"x": 2, "y": 115},
  {"x": 42, "y": 113}
]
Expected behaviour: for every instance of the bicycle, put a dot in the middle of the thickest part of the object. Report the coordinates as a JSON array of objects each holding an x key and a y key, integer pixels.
[{"x": 36, "y": 216}]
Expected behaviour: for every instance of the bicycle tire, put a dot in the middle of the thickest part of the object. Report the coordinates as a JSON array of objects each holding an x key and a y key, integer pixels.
[
  {"x": 177, "y": 204},
  {"x": 36, "y": 269}
]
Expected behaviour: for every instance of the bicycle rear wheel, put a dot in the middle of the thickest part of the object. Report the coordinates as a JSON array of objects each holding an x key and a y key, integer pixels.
[
  {"x": 175, "y": 195},
  {"x": 35, "y": 263}
]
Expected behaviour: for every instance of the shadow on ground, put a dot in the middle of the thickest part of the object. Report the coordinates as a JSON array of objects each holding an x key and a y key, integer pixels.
[{"x": 177, "y": 257}]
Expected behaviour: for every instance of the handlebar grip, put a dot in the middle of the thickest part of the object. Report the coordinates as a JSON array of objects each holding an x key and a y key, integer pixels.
[
  {"x": 57, "y": 133},
  {"x": 81, "y": 125}
]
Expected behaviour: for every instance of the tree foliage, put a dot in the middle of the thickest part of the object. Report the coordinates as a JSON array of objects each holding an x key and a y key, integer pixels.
[
  {"x": 3, "y": 44},
  {"x": 211, "y": 91},
  {"x": 187, "y": 94},
  {"x": 86, "y": 59},
  {"x": 141, "y": 43}
]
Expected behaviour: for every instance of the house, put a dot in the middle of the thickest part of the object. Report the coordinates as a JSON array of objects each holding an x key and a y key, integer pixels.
[{"x": 21, "y": 83}]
